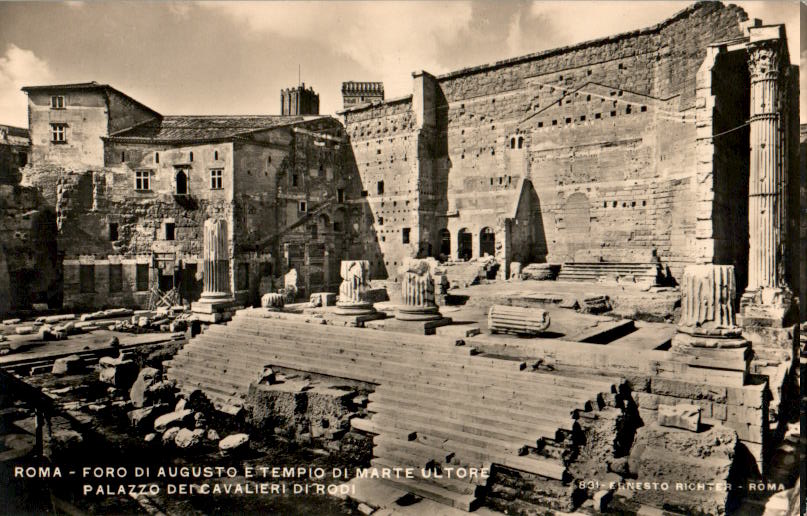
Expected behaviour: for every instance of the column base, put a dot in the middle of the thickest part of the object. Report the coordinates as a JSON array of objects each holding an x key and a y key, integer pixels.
[
  {"x": 354, "y": 309},
  {"x": 417, "y": 313},
  {"x": 211, "y": 303}
]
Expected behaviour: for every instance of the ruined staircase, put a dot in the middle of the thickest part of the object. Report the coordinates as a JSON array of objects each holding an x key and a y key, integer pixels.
[{"x": 437, "y": 404}]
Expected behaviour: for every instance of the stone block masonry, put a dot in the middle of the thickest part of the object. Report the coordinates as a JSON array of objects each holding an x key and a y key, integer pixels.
[{"x": 518, "y": 159}]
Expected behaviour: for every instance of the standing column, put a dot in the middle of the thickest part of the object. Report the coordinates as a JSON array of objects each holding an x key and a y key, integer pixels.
[
  {"x": 216, "y": 297},
  {"x": 766, "y": 189}
]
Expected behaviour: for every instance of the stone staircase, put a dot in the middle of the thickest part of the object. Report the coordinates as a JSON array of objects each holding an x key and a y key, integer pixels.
[
  {"x": 611, "y": 272},
  {"x": 438, "y": 405}
]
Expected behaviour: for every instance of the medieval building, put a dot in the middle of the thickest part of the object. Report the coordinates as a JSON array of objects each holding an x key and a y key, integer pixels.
[{"x": 131, "y": 189}]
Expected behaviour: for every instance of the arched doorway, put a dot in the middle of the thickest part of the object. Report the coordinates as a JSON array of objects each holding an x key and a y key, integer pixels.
[
  {"x": 182, "y": 183},
  {"x": 445, "y": 242},
  {"x": 465, "y": 242},
  {"x": 487, "y": 242}
]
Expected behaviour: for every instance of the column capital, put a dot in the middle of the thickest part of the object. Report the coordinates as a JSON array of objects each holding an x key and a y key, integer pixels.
[{"x": 765, "y": 59}]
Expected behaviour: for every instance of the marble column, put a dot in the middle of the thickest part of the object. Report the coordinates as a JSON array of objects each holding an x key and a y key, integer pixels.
[
  {"x": 216, "y": 293},
  {"x": 353, "y": 298},
  {"x": 768, "y": 178},
  {"x": 417, "y": 293}
]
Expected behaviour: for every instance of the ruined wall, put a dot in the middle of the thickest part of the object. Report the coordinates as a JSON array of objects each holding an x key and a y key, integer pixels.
[
  {"x": 384, "y": 143},
  {"x": 315, "y": 229},
  {"x": 29, "y": 268},
  {"x": 14, "y": 153}
]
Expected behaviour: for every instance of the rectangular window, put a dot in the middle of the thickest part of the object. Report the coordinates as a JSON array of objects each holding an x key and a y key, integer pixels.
[
  {"x": 87, "y": 278},
  {"x": 380, "y": 187},
  {"x": 57, "y": 102},
  {"x": 302, "y": 206},
  {"x": 340, "y": 195},
  {"x": 113, "y": 231},
  {"x": 294, "y": 180},
  {"x": 314, "y": 231},
  {"x": 169, "y": 230},
  {"x": 142, "y": 277},
  {"x": 142, "y": 180},
  {"x": 57, "y": 133},
  {"x": 405, "y": 235},
  {"x": 216, "y": 178},
  {"x": 115, "y": 277}
]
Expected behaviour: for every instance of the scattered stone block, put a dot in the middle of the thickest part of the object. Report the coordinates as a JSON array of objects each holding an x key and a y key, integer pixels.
[
  {"x": 53, "y": 319},
  {"x": 150, "y": 437},
  {"x": 68, "y": 365},
  {"x": 170, "y": 434},
  {"x": 9, "y": 322},
  {"x": 684, "y": 416},
  {"x": 143, "y": 321},
  {"x": 117, "y": 372},
  {"x": 212, "y": 435},
  {"x": 144, "y": 417},
  {"x": 186, "y": 439},
  {"x": 180, "y": 405},
  {"x": 233, "y": 444},
  {"x": 172, "y": 418},
  {"x": 365, "y": 509},
  {"x": 147, "y": 377},
  {"x": 24, "y": 330},
  {"x": 539, "y": 272}
]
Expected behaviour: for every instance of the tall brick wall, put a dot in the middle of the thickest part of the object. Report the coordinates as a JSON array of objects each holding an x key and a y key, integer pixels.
[{"x": 605, "y": 131}]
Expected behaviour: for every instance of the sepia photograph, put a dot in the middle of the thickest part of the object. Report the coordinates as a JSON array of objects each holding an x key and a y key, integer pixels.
[{"x": 403, "y": 258}]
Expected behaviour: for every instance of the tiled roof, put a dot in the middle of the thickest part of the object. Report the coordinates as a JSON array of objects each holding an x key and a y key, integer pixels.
[
  {"x": 71, "y": 86},
  {"x": 195, "y": 128}
]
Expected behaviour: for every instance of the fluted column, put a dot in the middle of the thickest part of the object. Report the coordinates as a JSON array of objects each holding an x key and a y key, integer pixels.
[
  {"x": 215, "y": 260},
  {"x": 417, "y": 292},
  {"x": 767, "y": 184},
  {"x": 707, "y": 301},
  {"x": 353, "y": 299}
]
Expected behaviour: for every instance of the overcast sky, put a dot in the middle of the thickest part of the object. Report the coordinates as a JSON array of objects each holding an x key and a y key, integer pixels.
[{"x": 234, "y": 58}]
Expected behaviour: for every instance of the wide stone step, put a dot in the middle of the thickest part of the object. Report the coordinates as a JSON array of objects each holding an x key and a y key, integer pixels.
[
  {"x": 504, "y": 369},
  {"x": 514, "y": 431},
  {"x": 363, "y": 338},
  {"x": 383, "y": 370},
  {"x": 404, "y": 339},
  {"x": 402, "y": 428},
  {"x": 550, "y": 408},
  {"x": 468, "y": 410},
  {"x": 463, "y": 502},
  {"x": 530, "y": 464}
]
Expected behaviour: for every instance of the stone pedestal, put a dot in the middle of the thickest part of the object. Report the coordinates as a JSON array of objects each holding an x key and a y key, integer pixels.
[
  {"x": 708, "y": 336},
  {"x": 216, "y": 300}
]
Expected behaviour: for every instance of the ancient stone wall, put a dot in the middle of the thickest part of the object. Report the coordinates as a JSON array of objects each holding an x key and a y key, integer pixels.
[
  {"x": 605, "y": 130},
  {"x": 29, "y": 269},
  {"x": 384, "y": 143}
]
